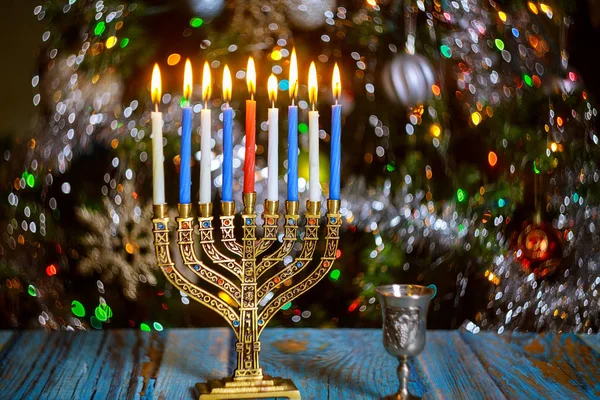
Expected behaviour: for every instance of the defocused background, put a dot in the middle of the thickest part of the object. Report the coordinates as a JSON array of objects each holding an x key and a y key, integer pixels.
[
  {"x": 472, "y": 165},
  {"x": 20, "y": 41}
]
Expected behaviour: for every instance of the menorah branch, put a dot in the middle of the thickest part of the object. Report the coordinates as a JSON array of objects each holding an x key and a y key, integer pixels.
[
  {"x": 227, "y": 228},
  {"x": 270, "y": 221},
  {"x": 208, "y": 243},
  {"x": 334, "y": 222},
  {"x": 186, "y": 247},
  {"x": 289, "y": 239},
  {"x": 164, "y": 259},
  {"x": 311, "y": 236}
]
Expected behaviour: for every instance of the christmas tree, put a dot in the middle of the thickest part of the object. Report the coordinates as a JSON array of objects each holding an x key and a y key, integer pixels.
[{"x": 470, "y": 159}]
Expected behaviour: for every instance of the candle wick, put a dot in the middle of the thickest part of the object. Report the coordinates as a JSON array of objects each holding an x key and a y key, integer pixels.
[
  {"x": 294, "y": 91},
  {"x": 252, "y": 96},
  {"x": 156, "y": 107}
]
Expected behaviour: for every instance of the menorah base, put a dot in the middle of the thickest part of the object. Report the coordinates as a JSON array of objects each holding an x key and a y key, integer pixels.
[{"x": 264, "y": 388}]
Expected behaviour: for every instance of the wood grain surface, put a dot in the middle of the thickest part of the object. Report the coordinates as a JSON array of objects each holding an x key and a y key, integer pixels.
[{"x": 324, "y": 364}]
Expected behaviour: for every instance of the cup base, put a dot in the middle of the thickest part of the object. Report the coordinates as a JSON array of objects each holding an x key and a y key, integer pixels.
[{"x": 399, "y": 396}]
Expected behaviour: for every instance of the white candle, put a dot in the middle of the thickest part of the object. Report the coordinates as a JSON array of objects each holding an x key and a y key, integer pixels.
[
  {"x": 205, "y": 137},
  {"x": 273, "y": 155},
  {"x": 314, "y": 186},
  {"x": 205, "y": 155},
  {"x": 158, "y": 171}
]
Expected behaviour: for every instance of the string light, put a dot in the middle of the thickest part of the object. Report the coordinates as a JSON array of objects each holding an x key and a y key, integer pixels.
[{"x": 492, "y": 158}]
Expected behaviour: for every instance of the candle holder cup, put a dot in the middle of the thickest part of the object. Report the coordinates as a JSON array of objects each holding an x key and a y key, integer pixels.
[
  {"x": 242, "y": 285},
  {"x": 404, "y": 311}
]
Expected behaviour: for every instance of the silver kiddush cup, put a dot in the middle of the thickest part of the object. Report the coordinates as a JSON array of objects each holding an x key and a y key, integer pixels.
[{"x": 404, "y": 310}]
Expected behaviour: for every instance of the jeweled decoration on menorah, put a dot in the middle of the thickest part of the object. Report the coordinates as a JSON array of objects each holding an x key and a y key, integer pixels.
[{"x": 250, "y": 272}]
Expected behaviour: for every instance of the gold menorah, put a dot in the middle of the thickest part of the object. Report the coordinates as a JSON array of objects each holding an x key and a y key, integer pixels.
[{"x": 252, "y": 309}]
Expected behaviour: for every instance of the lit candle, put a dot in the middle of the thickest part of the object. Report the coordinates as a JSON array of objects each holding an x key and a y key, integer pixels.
[
  {"x": 250, "y": 129},
  {"x": 205, "y": 125},
  {"x": 292, "y": 183},
  {"x": 273, "y": 155},
  {"x": 314, "y": 190},
  {"x": 185, "y": 175},
  {"x": 336, "y": 135},
  {"x": 227, "y": 191},
  {"x": 158, "y": 171}
]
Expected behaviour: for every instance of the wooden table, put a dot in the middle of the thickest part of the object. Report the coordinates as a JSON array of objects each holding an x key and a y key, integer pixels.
[{"x": 325, "y": 364}]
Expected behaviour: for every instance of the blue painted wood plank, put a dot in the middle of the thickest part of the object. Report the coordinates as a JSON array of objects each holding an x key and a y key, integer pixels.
[
  {"x": 99, "y": 364},
  {"x": 454, "y": 368},
  {"x": 592, "y": 340},
  {"x": 21, "y": 366},
  {"x": 5, "y": 336},
  {"x": 325, "y": 364},
  {"x": 578, "y": 360},
  {"x": 336, "y": 363},
  {"x": 534, "y": 366},
  {"x": 111, "y": 364},
  {"x": 192, "y": 356}
]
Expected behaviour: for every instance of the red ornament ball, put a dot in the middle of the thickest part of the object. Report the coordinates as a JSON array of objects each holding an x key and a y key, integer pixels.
[{"x": 539, "y": 249}]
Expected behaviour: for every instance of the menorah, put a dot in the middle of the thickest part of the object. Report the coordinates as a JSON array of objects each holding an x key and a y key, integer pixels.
[{"x": 242, "y": 275}]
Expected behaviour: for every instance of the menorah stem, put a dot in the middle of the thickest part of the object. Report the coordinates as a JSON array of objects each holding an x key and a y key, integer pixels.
[{"x": 248, "y": 346}]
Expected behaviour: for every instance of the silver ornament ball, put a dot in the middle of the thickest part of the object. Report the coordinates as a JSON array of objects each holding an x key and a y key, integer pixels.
[{"x": 407, "y": 79}]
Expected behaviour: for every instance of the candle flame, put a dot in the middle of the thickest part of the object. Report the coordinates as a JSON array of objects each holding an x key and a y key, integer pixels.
[
  {"x": 187, "y": 80},
  {"x": 206, "y": 83},
  {"x": 227, "y": 85},
  {"x": 251, "y": 76},
  {"x": 336, "y": 82},
  {"x": 293, "y": 75},
  {"x": 313, "y": 87},
  {"x": 272, "y": 88},
  {"x": 156, "y": 87}
]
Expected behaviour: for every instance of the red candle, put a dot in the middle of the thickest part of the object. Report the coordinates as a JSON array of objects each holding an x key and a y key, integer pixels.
[{"x": 250, "y": 158}]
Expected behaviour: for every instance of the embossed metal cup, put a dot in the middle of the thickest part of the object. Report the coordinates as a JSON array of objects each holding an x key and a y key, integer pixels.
[{"x": 404, "y": 310}]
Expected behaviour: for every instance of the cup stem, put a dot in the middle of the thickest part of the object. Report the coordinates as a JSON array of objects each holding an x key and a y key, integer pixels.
[{"x": 403, "y": 373}]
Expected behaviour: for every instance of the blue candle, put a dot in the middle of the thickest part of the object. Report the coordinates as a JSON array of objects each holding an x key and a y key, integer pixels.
[
  {"x": 336, "y": 133},
  {"x": 336, "y": 136},
  {"x": 292, "y": 177},
  {"x": 292, "y": 181},
  {"x": 185, "y": 173},
  {"x": 227, "y": 193}
]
